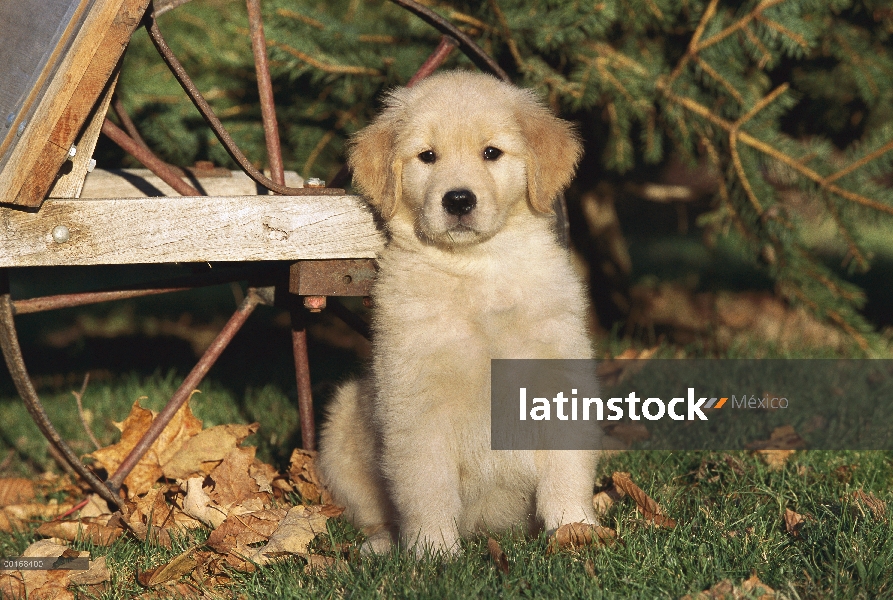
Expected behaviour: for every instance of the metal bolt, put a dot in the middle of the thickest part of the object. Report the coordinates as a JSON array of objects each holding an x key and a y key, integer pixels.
[
  {"x": 61, "y": 234},
  {"x": 91, "y": 165},
  {"x": 314, "y": 304},
  {"x": 21, "y": 128},
  {"x": 10, "y": 119},
  {"x": 72, "y": 152},
  {"x": 347, "y": 280},
  {"x": 315, "y": 182}
]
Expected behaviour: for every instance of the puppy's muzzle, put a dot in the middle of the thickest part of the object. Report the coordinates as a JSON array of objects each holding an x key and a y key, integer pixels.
[{"x": 459, "y": 202}]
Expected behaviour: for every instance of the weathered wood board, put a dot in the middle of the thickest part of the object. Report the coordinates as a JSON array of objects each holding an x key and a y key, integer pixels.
[
  {"x": 137, "y": 183},
  {"x": 70, "y": 184},
  {"x": 187, "y": 229},
  {"x": 71, "y": 75}
]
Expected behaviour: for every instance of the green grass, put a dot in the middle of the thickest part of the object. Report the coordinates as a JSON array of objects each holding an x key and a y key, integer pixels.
[
  {"x": 730, "y": 525},
  {"x": 729, "y": 506}
]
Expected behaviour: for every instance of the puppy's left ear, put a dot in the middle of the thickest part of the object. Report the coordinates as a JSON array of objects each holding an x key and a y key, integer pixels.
[
  {"x": 554, "y": 149},
  {"x": 371, "y": 155}
]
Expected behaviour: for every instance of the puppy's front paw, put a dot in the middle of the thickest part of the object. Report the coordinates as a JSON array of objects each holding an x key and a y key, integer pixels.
[
  {"x": 379, "y": 542},
  {"x": 438, "y": 543}
]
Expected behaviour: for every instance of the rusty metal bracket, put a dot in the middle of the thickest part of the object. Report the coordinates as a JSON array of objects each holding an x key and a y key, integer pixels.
[{"x": 337, "y": 277}]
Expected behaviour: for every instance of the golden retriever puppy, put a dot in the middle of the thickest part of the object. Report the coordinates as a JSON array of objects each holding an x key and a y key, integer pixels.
[{"x": 463, "y": 169}]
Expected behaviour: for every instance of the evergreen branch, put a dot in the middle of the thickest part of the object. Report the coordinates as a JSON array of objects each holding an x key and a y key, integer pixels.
[
  {"x": 832, "y": 287},
  {"x": 318, "y": 64},
  {"x": 378, "y": 39},
  {"x": 713, "y": 155},
  {"x": 856, "y": 58},
  {"x": 477, "y": 23},
  {"x": 618, "y": 57},
  {"x": 763, "y": 103},
  {"x": 844, "y": 231},
  {"x": 695, "y": 38},
  {"x": 600, "y": 65},
  {"x": 695, "y": 45},
  {"x": 861, "y": 162},
  {"x": 765, "y": 148},
  {"x": 832, "y": 314},
  {"x": 314, "y": 154},
  {"x": 507, "y": 34},
  {"x": 328, "y": 137},
  {"x": 767, "y": 56},
  {"x": 742, "y": 174},
  {"x": 722, "y": 80},
  {"x": 655, "y": 10},
  {"x": 284, "y": 12},
  {"x": 756, "y": 13},
  {"x": 796, "y": 37}
]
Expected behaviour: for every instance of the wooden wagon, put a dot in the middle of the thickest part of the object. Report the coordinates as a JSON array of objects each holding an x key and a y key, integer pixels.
[{"x": 58, "y": 70}]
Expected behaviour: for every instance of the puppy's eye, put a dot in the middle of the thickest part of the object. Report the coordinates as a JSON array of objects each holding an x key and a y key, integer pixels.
[
  {"x": 428, "y": 157},
  {"x": 491, "y": 153}
]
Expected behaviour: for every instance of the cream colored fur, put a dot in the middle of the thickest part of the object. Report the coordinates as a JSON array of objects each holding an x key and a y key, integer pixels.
[{"x": 407, "y": 450}]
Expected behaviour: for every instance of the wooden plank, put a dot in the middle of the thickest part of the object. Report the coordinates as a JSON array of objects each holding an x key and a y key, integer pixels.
[
  {"x": 68, "y": 100},
  {"x": 184, "y": 229},
  {"x": 70, "y": 184},
  {"x": 35, "y": 36},
  {"x": 140, "y": 183}
]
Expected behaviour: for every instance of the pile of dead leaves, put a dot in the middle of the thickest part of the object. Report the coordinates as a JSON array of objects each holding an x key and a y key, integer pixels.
[{"x": 191, "y": 477}]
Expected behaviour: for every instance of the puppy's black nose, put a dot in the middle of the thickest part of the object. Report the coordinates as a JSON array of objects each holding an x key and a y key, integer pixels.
[{"x": 459, "y": 202}]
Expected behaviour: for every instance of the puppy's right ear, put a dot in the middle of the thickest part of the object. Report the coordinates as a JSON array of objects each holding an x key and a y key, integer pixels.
[{"x": 371, "y": 155}]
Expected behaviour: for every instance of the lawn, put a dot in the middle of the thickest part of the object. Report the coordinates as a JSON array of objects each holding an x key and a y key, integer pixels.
[{"x": 813, "y": 524}]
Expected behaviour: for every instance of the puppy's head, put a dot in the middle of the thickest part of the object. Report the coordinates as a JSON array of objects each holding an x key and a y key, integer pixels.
[{"x": 453, "y": 157}]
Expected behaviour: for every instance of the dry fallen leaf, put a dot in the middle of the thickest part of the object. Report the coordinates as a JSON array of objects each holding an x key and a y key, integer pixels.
[
  {"x": 775, "y": 459},
  {"x": 12, "y": 584},
  {"x": 576, "y": 535},
  {"x": 200, "y": 454},
  {"x": 605, "y": 499},
  {"x": 182, "y": 426},
  {"x": 53, "y": 584},
  {"x": 303, "y": 475},
  {"x": 750, "y": 589},
  {"x": 649, "y": 508},
  {"x": 233, "y": 483},
  {"x": 793, "y": 522},
  {"x": 755, "y": 588},
  {"x": 198, "y": 504},
  {"x": 781, "y": 438},
  {"x": 875, "y": 505},
  {"x": 498, "y": 555},
  {"x": 628, "y": 433},
  {"x": 88, "y": 529},
  {"x": 97, "y": 573},
  {"x": 237, "y": 532},
  {"x": 15, "y": 490},
  {"x": 16, "y": 516},
  {"x": 176, "y": 568},
  {"x": 294, "y": 533}
]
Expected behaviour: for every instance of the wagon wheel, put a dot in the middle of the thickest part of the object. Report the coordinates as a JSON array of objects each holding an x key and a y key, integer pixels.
[{"x": 311, "y": 279}]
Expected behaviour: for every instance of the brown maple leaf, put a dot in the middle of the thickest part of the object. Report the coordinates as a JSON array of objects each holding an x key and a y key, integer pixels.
[
  {"x": 649, "y": 508},
  {"x": 576, "y": 535},
  {"x": 182, "y": 426},
  {"x": 303, "y": 475}
]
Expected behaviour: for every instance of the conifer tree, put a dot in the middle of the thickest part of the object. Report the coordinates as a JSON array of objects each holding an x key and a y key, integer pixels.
[{"x": 773, "y": 95}]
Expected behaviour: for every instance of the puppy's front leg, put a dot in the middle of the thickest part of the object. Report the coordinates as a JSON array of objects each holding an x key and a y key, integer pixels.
[
  {"x": 566, "y": 479},
  {"x": 419, "y": 463}
]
